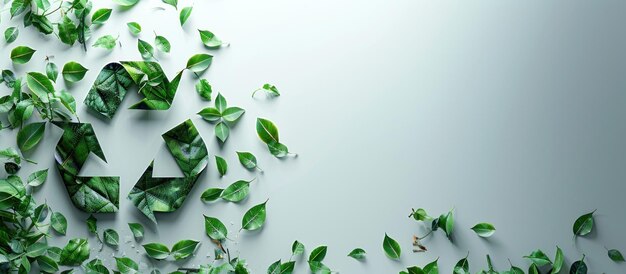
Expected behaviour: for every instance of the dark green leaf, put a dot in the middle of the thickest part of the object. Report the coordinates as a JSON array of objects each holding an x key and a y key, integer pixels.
[
  {"x": 10, "y": 34},
  {"x": 58, "y": 223},
  {"x": 214, "y": 228},
  {"x": 92, "y": 224},
  {"x": 108, "y": 90},
  {"x": 357, "y": 253},
  {"x": 100, "y": 16},
  {"x": 318, "y": 254},
  {"x": 111, "y": 237},
  {"x": 184, "y": 14},
  {"x": 37, "y": 178},
  {"x": 199, "y": 62},
  {"x": 247, "y": 159},
  {"x": 461, "y": 267},
  {"x": 539, "y": 258},
  {"x": 47, "y": 264},
  {"x": 157, "y": 251},
  {"x": 579, "y": 267},
  {"x": 432, "y": 267},
  {"x": 210, "y": 114},
  {"x": 584, "y": 224},
  {"x": 237, "y": 191},
  {"x": 254, "y": 217},
  {"x": 52, "y": 71},
  {"x": 39, "y": 85},
  {"x": 391, "y": 247},
  {"x": 211, "y": 194},
  {"x": 68, "y": 32},
  {"x": 446, "y": 223},
  {"x": 184, "y": 249},
  {"x": 30, "y": 135},
  {"x": 75, "y": 252},
  {"x": 222, "y": 165},
  {"x": 21, "y": 54},
  {"x": 616, "y": 255},
  {"x": 126, "y": 265},
  {"x": 297, "y": 248},
  {"x": 73, "y": 72},
  {"x": 484, "y": 230},
  {"x": 267, "y": 131}
]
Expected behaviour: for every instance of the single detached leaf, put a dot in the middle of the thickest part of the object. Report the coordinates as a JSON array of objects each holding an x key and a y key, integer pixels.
[
  {"x": 92, "y": 224},
  {"x": 297, "y": 248},
  {"x": 126, "y": 3},
  {"x": 30, "y": 135},
  {"x": 162, "y": 44},
  {"x": 211, "y": 194},
  {"x": 111, "y": 237},
  {"x": 173, "y": 3},
  {"x": 484, "y": 230},
  {"x": 318, "y": 254},
  {"x": 391, "y": 247},
  {"x": 146, "y": 50},
  {"x": 222, "y": 165},
  {"x": 184, "y": 14},
  {"x": 10, "y": 34},
  {"x": 137, "y": 230},
  {"x": 199, "y": 62},
  {"x": 267, "y": 131},
  {"x": 209, "y": 39},
  {"x": 269, "y": 89},
  {"x": 100, "y": 16},
  {"x": 126, "y": 265},
  {"x": 37, "y": 178},
  {"x": 558, "y": 261},
  {"x": 106, "y": 42},
  {"x": 254, "y": 217},
  {"x": 461, "y": 267},
  {"x": 584, "y": 224},
  {"x": 539, "y": 258},
  {"x": 222, "y": 131},
  {"x": 157, "y": 251},
  {"x": 433, "y": 268},
  {"x": 237, "y": 191},
  {"x": 184, "y": 249},
  {"x": 204, "y": 89},
  {"x": 58, "y": 223},
  {"x": 73, "y": 72},
  {"x": 247, "y": 159},
  {"x": 134, "y": 27},
  {"x": 21, "y": 54},
  {"x": 214, "y": 228},
  {"x": 615, "y": 255},
  {"x": 75, "y": 252},
  {"x": 579, "y": 267},
  {"x": 52, "y": 71},
  {"x": 357, "y": 253}
]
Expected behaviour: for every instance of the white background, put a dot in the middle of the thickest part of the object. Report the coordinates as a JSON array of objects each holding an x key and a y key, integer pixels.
[{"x": 510, "y": 111}]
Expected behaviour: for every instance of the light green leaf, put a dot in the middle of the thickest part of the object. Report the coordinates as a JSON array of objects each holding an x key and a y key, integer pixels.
[
  {"x": 237, "y": 191},
  {"x": 58, "y": 223},
  {"x": 222, "y": 131},
  {"x": 184, "y": 249},
  {"x": 162, "y": 44},
  {"x": 391, "y": 247},
  {"x": 73, "y": 72},
  {"x": 137, "y": 230},
  {"x": 215, "y": 229},
  {"x": 248, "y": 160},
  {"x": 30, "y": 135},
  {"x": 75, "y": 252},
  {"x": 211, "y": 194},
  {"x": 539, "y": 258},
  {"x": 222, "y": 165},
  {"x": 210, "y": 114},
  {"x": 157, "y": 251},
  {"x": 184, "y": 14},
  {"x": 232, "y": 114},
  {"x": 126, "y": 265},
  {"x": 100, "y": 16},
  {"x": 10, "y": 34},
  {"x": 209, "y": 39},
  {"x": 68, "y": 32},
  {"x": 146, "y": 50},
  {"x": 173, "y": 3},
  {"x": 92, "y": 225},
  {"x": 37, "y": 178},
  {"x": 254, "y": 217},
  {"x": 484, "y": 230},
  {"x": 199, "y": 62},
  {"x": 269, "y": 89},
  {"x": 220, "y": 103},
  {"x": 106, "y": 42},
  {"x": 134, "y": 27},
  {"x": 357, "y": 253},
  {"x": 21, "y": 54},
  {"x": 204, "y": 89},
  {"x": 111, "y": 237},
  {"x": 52, "y": 71},
  {"x": 558, "y": 261},
  {"x": 297, "y": 248},
  {"x": 584, "y": 224}
]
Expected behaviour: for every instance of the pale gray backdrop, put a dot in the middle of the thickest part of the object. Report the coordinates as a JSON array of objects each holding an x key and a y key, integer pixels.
[{"x": 511, "y": 111}]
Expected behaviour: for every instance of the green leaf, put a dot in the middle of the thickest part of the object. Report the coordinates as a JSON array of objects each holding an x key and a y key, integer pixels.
[
  {"x": 615, "y": 255},
  {"x": 318, "y": 254},
  {"x": 158, "y": 91},
  {"x": 134, "y": 27},
  {"x": 146, "y": 50},
  {"x": 579, "y": 267},
  {"x": 232, "y": 114},
  {"x": 126, "y": 3},
  {"x": 446, "y": 223},
  {"x": 357, "y": 253},
  {"x": 237, "y": 191},
  {"x": 274, "y": 268},
  {"x": 21, "y": 54},
  {"x": 92, "y": 225},
  {"x": 157, "y": 251},
  {"x": 137, "y": 230},
  {"x": 111, "y": 237},
  {"x": 100, "y": 16},
  {"x": 287, "y": 268},
  {"x": 39, "y": 85},
  {"x": 37, "y": 178},
  {"x": 248, "y": 160},
  {"x": 461, "y": 267},
  {"x": 162, "y": 44},
  {"x": 297, "y": 248},
  {"x": 210, "y": 114},
  {"x": 126, "y": 265},
  {"x": 222, "y": 165},
  {"x": 278, "y": 150},
  {"x": 432, "y": 267},
  {"x": 267, "y": 131},
  {"x": 184, "y": 249},
  {"x": 211, "y": 194},
  {"x": 106, "y": 42},
  {"x": 10, "y": 34},
  {"x": 90, "y": 194},
  {"x": 73, "y": 72},
  {"x": 52, "y": 71},
  {"x": 214, "y": 228},
  {"x": 35, "y": 250},
  {"x": 184, "y": 14},
  {"x": 222, "y": 131},
  {"x": 204, "y": 89},
  {"x": 584, "y": 224},
  {"x": 269, "y": 89},
  {"x": 539, "y": 258},
  {"x": 199, "y": 62},
  {"x": 75, "y": 252},
  {"x": 484, "y": 230},
  {"x": 30, "y": 135},
  {"x": 159, "y": 194},
  {"x": 209, "y": 39},
  {"x": 47, "y": 264},
  {"x": 95, "y": 266},
  {"x": 58, "y": 223},
  {"x": 558, "y": 261},
  {"x": 68, "y": 32},
  {"x": 173, "y": 3},
  {"x": 254, "y": 217},
  {"x": 391, "y": 247},
  {"x": 109, "y": 89},
  {"x": 220, "y": 103}
]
